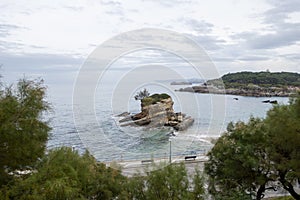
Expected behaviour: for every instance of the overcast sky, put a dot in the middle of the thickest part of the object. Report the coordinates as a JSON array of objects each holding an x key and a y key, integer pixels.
[{"x": 55, "y": 37}]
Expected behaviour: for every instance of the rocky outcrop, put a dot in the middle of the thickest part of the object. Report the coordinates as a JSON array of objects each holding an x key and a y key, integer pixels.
[
  {"x": 157, "y": 111},
  {"x": 246, "y": 91}
]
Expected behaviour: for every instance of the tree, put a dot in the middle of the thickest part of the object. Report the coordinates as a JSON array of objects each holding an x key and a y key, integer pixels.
[
  {"x": 170, "y": 182},
  {"x": 135, "y": 187},
  {"x": 198, "y": 184},
  {"x": 167, "y": 182},
  {"x": 23, "y": 132},
  {"x": 238, "y": 165},
  {"x": 64, "y": 174},
  {"x": 253, "y": 157},
  {"x": 142, "y": 94},
  {"x": 108, "y": 183},
  {"x": 283, "y": 122}
]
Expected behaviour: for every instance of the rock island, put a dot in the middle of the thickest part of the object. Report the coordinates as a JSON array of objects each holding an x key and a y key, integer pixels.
[{"x": 157, "y": 111}]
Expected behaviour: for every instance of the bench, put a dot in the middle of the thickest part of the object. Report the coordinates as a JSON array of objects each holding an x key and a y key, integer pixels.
[
  {"x": 190, "y": 157},
  {"x": 147, "y": 161}
]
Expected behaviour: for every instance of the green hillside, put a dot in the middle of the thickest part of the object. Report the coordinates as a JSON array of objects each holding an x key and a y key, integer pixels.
[{"x": 262, "y": 79}]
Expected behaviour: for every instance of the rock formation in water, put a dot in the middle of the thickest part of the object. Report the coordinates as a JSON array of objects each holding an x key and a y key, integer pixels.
[{"x": 157, "y": 111}]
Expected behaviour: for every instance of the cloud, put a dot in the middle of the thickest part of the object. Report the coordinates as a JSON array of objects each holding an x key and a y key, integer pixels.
[
  {"x": 281, "y": 38},
  {"x": 276, "y": 31},
  {"x": 172, "y": 3},
  {"x": 280, "y": 10},
  {"x": 207, "y": 42},
  {"x": 74, "y": 8},
  {"x": 283, "y": 33},
  {"x": 113, "y": 7},
  {"x": 200, "y": 26},
  {"x": 117, "y": 8},
  {"x": 294, "y": 57},
  {"x": 255, "y": 33},
  {"x": 6, "y": 46},
  {"x": 286, "y": 36},
  {"x": 5, "y": 29},
  {"x": 110, "y": 3},
  {"x": 253, "y": 58}
]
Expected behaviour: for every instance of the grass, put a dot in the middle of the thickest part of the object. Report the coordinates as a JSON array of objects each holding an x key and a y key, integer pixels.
[{"x": 153, "y": 99}]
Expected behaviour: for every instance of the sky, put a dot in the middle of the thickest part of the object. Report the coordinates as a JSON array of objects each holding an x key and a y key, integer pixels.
[{"x": 52, "y": 39}]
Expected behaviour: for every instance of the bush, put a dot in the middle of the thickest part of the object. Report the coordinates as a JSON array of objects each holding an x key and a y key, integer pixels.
[{"x": 153, "y": 99}]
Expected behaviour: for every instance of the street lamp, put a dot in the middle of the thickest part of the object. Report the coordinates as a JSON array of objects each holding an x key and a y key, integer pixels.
[{"x": 170, "y": 155}]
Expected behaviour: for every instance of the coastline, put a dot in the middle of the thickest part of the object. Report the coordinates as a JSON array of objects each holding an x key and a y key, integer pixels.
[{"x": 248, "y": 92}]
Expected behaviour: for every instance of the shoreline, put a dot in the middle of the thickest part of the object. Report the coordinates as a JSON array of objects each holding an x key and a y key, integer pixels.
[{"x": 258, "y": 92}]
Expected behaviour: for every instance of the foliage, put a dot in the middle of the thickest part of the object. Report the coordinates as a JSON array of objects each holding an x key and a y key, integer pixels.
[
  {"x": 238, "y": 163},
  {"x": 262, "y": 79},
  {"x": 142, "y": 94},
  {"x": 169, "y": 182},
  {"x": 284, "y": 142},
  {"x": 109, "y": 183},
  {"x": 23, "y": 132},
  {"x": 247, "y": 159},
  {"x": 64, "y": 174},
  {"x": 153, "y": 99},
  {"x": 253, "y": 157},
  {"x": 198, "y": 184}
]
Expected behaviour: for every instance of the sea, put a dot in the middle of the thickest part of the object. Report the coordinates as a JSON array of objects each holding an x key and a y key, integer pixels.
[
  {"x": 100, "y": 132},
  {"x": 94, "y": 126}
]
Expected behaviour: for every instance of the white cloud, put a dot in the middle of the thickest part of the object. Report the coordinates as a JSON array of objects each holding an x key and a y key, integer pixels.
[{"x": 235, "y": 33}]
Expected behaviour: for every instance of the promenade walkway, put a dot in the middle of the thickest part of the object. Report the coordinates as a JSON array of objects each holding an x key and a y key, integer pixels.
[{"x": 129, "y": 168}]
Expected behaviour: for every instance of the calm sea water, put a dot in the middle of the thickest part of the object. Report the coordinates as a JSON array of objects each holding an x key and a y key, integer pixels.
[
  {"x": 96, "y": 127},
  {"x": 98, "y": 130},
  {"x": 107, "y": 141}
]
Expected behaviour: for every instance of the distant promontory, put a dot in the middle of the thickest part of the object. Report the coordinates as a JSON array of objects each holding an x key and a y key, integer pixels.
[
  {"x": 157, "y": 111},
  {"x": 257, "y": 84}
]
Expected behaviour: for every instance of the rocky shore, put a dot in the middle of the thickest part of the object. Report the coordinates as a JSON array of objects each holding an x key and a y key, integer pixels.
[
  {"x": 253, "y": 91},
  {"x": 157, "y": 111}
]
